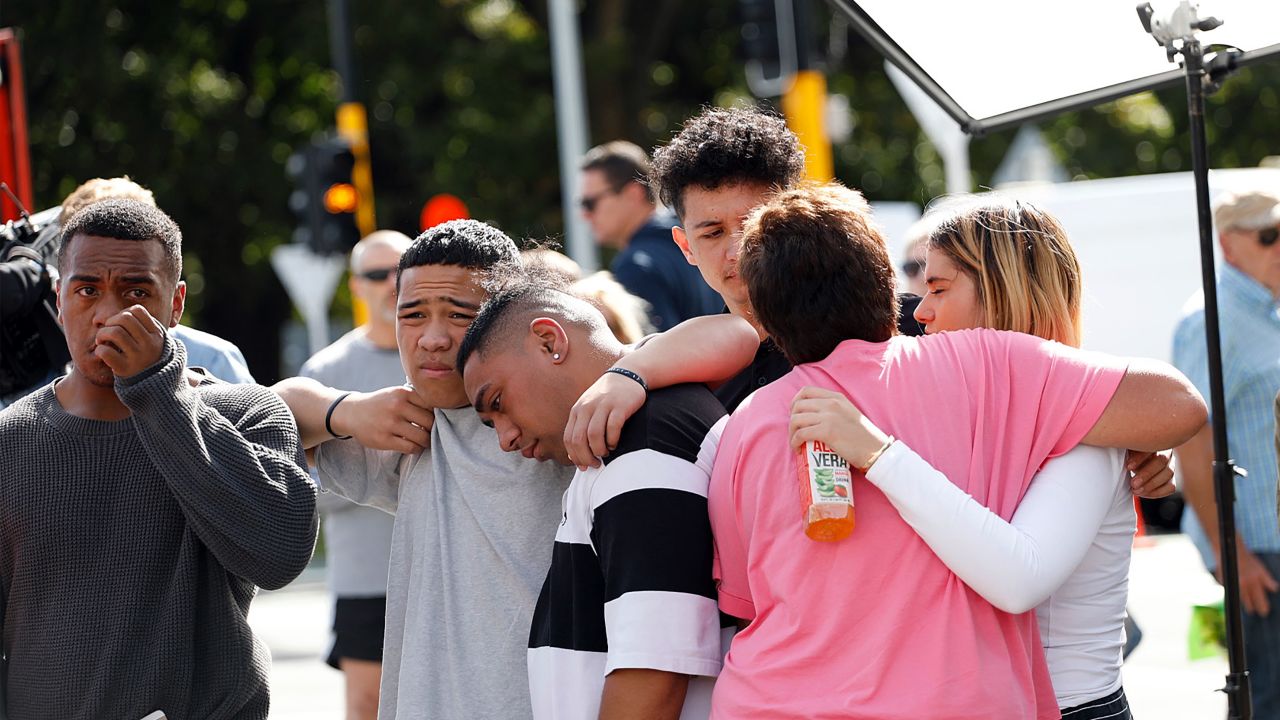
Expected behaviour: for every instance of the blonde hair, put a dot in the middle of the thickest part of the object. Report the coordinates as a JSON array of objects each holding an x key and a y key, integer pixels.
[
  {"x": 1026, "y": 272},
  {"x": 92, "y": 191},
  {"x": 625, "y": 313},
  {"x": 551, "y": 262}
]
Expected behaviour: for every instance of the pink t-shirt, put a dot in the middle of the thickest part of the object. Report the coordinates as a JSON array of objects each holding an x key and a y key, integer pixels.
[{"x": 875, "y": 626}]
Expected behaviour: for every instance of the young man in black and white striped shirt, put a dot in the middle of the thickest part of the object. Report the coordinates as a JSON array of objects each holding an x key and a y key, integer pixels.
[{"x": 627, "y": 620}]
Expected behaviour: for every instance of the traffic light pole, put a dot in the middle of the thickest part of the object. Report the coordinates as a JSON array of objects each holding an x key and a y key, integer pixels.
[
  {"x": 779, "y": 30},
  {"x": 353, "y": 121}
]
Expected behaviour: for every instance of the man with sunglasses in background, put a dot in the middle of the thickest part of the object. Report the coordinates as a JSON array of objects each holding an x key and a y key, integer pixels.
[
  {"x": 358, "y": 538},
  {"x": 620, "y": 206},
  {"x": 1248, "y": 288},
  {"x": 913, "y": 257}
]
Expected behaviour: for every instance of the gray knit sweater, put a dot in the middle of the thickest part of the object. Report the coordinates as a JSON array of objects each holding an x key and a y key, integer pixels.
[{"x": 130, "y": 550}]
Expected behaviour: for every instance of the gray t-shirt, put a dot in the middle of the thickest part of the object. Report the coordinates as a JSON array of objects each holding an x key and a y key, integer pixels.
[
  {"x": 469, "y": 553},
  {"x": 357, "y": 538}
]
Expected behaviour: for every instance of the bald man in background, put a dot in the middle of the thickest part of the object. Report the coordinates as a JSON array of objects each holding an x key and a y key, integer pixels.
[{"x": 358, "y": 538}]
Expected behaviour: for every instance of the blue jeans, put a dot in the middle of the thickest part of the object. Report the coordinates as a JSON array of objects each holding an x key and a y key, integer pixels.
[{"x": 1262, "y": 649}]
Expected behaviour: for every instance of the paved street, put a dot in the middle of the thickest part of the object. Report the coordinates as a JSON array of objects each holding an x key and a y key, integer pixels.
[
  {"x": 1166, "y": 579},
  {"x": 1162, "y": 684},
  {"x": 295, "y": 624}
]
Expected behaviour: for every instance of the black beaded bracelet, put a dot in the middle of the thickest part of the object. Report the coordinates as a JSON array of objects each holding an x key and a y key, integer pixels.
[
  {"x": 328, "y": 417},
  {"x": 627, "y": 373}
]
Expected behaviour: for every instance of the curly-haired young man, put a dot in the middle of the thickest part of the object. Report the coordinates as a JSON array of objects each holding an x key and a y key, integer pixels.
[{"x": 720, "y": 166}]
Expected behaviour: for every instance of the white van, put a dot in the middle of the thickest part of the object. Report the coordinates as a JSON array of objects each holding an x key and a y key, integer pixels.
[{"x": 1138, "y": 243}]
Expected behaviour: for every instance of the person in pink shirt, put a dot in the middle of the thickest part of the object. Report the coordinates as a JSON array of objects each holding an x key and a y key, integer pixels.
[
  {"x": 997, "y": 262},
  {"x": 875, "y": 626}
]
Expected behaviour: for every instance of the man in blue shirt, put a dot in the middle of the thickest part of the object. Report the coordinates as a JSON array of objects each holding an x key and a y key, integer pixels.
[
  {"x": 619, "y": 204},
  {"x": 1248, "y": 288},
  {"x": 220, "y": 357}
]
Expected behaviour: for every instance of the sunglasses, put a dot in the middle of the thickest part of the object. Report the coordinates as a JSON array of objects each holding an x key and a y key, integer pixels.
[
  {"x": 912, "y": 268},
  {"x": 1268, "y": 237},
  {"x": 588, "y": 202},
  {"x": 377, "y": 275}
]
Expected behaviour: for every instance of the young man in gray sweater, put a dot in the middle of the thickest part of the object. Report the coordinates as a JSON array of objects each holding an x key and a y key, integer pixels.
[{"x": 140, "y": 504}]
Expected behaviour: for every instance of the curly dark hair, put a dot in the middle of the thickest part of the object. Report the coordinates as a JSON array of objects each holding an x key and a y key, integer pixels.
[
  {"x": 466, "y": 243},
  {"x": 726, "y": 147}
]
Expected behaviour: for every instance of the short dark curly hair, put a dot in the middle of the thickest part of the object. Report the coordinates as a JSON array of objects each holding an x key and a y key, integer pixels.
[
  {"x": 127, "y": 219},
  {"x": 726, "y": 147},
  {"x": 466, "y": 243}
]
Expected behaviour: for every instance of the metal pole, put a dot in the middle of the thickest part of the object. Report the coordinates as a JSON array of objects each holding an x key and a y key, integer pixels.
[
  {"x": 340, "y": 48},
  {"x": 352, "y": 120},
  {"x": 571, "y": 126},
  {"x": 353, "y": 125},
  {"x": 804, "y": 102},
  {"x": 1239, "y": 706}
]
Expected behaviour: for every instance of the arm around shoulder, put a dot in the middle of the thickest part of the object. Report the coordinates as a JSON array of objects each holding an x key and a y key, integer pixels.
[
  {"x": 708, "y": 349},
  {"x": 309, "y": 401},
  {"x": 1155, "y": 407},
  {"x": 393, "y": 418}
]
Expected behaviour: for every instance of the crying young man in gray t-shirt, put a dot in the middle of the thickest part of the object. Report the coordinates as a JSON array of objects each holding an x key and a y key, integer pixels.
[{"x": 472, "y": 525}]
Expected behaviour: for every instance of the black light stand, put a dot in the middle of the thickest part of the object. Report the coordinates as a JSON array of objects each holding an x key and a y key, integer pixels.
[{"x": 1177, "y": 36}]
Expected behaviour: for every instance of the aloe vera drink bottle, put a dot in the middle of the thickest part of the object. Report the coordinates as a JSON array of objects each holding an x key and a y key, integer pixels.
[{"x": 826, "y": 492}]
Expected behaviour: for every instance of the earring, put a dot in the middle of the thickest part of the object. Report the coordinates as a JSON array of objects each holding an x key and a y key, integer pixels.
[{"x": 555, "y": 356}]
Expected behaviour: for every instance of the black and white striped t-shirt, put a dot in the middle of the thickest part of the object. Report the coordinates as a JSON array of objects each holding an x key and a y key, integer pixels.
[{"x": 630, "y": 582}]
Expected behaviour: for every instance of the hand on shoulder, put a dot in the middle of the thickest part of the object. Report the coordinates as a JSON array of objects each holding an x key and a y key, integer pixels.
[
  {"x": 394, "y": 418},
  {"x": 596, "y": 419},
  {"x": 827, "y": 416}
]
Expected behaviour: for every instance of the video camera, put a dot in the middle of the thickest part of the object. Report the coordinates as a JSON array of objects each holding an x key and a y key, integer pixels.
[
  {"x": 39, "y": 233},
  {"x": 31, "y": 341}
]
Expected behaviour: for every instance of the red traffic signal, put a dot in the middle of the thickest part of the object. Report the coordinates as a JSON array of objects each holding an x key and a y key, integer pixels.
[{"x": 442, "y": 208}]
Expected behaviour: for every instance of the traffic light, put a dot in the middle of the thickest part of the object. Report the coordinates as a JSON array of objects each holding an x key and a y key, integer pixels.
[{"x": 324, "y": 198}]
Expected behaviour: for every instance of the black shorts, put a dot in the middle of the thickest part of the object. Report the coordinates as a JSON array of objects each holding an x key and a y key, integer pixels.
[{"x": 358, "y": 624}]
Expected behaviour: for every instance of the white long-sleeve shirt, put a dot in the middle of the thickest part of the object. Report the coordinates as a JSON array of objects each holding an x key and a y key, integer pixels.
[{"x": 1065, "y": 553}]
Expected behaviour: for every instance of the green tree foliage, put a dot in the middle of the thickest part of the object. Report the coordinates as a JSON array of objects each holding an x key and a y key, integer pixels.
[
  {"x": 204, "y": 100},
  {"x": 199, "y": 100}
]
